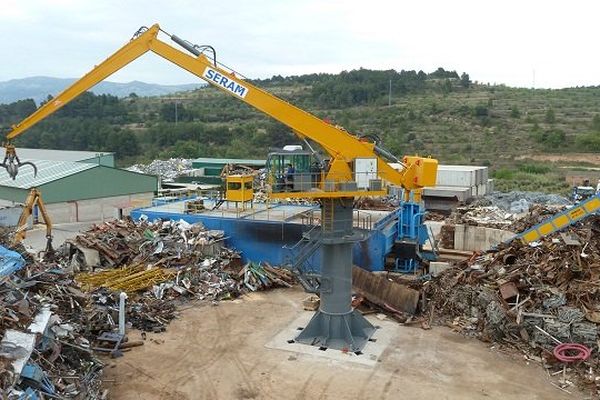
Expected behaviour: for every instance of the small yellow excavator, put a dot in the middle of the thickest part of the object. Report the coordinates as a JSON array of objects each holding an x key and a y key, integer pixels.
[{"x": 34, "y": 199}]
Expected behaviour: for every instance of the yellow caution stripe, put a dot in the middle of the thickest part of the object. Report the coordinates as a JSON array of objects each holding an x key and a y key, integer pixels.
[{"x": 562, "y": 220}]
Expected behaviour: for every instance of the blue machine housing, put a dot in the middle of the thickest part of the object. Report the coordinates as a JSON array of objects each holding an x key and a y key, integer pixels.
[
  {"x": 412, "y": 234},
  {"x": 400, "y": 235}
]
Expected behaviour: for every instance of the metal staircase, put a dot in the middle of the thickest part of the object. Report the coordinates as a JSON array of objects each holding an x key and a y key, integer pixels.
[{"x": 299, "y": 256}]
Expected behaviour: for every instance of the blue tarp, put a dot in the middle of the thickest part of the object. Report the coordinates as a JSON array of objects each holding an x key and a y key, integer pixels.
[{"x": 10, "y": 261}]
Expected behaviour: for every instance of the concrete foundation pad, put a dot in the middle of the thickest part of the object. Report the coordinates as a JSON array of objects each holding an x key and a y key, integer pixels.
[{"x": 370, "y": 354}]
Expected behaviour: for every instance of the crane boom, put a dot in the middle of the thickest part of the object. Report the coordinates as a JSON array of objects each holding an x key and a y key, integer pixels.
[
  {"x": 336, "y": 324},
  {"x": 342, "y": 146}
]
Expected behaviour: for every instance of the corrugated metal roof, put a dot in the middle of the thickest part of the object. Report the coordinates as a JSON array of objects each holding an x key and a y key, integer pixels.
[
  {"x": 48, "y": 171},
  {"x": 58, "y": 155},
  {"x": 230, "y": 161}
]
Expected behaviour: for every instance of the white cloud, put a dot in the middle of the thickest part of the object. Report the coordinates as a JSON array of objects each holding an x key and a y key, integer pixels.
[{"x": 502, "y": 41}]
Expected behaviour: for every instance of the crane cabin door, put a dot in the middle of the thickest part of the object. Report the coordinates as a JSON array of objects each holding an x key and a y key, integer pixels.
[{"x": 365, "y": 170}]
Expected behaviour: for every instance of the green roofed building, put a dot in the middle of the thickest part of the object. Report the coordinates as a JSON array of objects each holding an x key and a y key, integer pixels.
[
  {"x": 78, "y": 186},
  {"x": 93, "y": 157}
]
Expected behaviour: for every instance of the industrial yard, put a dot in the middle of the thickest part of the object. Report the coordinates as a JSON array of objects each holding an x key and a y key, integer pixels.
[
  {"x": 225, "y": 326},
  {"x": 351, "y": 229}
]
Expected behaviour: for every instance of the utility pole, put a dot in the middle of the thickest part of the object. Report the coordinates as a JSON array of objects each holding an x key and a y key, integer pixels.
[
  {"x": 390, "y": 95},
  {"x": 176, "y": 101}
]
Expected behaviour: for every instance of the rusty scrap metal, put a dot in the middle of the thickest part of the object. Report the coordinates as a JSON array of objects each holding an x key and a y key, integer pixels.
[
  {"x": 129, "y": 279},
  {"x": 161, "y": 265},
  {"x": 529, "y": 297}
]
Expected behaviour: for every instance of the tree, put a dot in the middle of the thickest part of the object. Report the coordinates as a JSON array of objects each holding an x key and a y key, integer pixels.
[
  {"x": 550, "y": 117},
  {"x": 446, "y": 86},
  {"x": 441, "y": 73},
  {"x": 596, "y": 123},
  {"x": 481, "y": 111},
  {"x": 465, "y": 81},
  {"x": 15, "y": 112},
  {"x": 515, "y": 113}
]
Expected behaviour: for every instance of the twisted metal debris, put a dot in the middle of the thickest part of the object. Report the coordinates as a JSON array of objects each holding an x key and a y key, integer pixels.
[
  {"x": 161, "y": 265},
  {"x": 529, "y": 297}
]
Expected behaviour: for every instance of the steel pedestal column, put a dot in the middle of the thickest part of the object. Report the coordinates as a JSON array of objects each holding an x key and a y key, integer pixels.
[{"x": 336, "y": 325}]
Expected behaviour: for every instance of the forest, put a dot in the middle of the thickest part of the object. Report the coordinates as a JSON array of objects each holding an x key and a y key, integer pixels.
[{"x": 442, "y": 113}]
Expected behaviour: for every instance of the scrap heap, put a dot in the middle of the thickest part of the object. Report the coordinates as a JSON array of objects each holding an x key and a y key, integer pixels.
[
  {"x": 46, "y": 338},
  {"x": 536, "y": 215},
  {"x": 167, "y": 170},
  {"x": 490, "y": 216},
  {"x": 161, "y": 264},
  {"x": 55, "y": 318},
  {"x": 530, "y": 297}
]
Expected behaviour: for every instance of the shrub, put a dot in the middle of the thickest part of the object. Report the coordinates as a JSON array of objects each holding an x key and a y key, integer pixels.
[
  {"x": 537, "y": 169},
  {"x": 504, "y": 173}
]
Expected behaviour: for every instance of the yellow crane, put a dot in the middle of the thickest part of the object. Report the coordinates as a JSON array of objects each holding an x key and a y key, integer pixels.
[
  {"x": 343, "y": 147},
  {"x": 356, "y": 167}
]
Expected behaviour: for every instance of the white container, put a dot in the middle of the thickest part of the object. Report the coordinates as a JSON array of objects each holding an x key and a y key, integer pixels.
[
  {"x": 456, "y": 178},
  {"x": 482, "y": 190},
  {"x": 461, "y": 175}
]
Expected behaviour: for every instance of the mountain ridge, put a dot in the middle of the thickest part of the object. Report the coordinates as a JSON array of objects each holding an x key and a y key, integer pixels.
[{"x": 39, "y": 87}]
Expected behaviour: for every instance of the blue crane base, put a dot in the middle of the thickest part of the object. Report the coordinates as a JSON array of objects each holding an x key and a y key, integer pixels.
[{"x": 349, "y": 332}]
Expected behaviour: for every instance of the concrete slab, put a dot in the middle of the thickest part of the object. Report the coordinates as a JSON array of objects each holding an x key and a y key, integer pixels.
[{"x": 370, "y": 354}]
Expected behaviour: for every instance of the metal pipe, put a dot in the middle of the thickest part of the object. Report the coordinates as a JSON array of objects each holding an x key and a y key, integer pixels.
[
  {"x": 412, "y": 228},
  {"x": 186, "y": 45},
  {"x": 380, "y": 151},
  {"x": 122, "y": 298}
]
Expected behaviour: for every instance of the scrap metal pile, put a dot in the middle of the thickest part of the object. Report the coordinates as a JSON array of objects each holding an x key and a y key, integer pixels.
[
  {"x": 508, "y": 200},
  {"x": 46, "y": 337},
  {"x": 162, "y": 263},
  {"x": 488, "y": 216},
  {"x": 166, "y": 169},
  {"x": 376, "y": 203},
  {"x": 56, "y": 318},
  {"x": 530, "y": 297},
  {"x": 536, "y": 215},
  {"x": 494, "y": 217}
]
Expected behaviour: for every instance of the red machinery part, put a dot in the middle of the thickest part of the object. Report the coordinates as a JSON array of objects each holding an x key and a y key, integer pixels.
[{"x": 582, "y": 352}]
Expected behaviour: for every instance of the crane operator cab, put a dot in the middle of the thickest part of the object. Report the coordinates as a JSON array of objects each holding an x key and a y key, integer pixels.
[{"x": 293, "y": 169}]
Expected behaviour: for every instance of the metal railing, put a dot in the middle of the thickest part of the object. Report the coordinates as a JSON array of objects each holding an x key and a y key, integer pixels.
[
  {"x": 360, "y": 219},
  {"x": 319, "y": 181}
]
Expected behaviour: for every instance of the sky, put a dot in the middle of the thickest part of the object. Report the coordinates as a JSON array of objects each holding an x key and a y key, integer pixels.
[{"x": 526, "y": 43}]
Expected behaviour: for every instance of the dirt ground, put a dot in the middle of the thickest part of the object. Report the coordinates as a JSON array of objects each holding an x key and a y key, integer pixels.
[
  {"x": 218, "y": 352},
  {"x": 592, "y": 158}
]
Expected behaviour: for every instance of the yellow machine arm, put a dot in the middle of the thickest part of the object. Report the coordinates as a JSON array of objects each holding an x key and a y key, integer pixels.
[
  {"x": 34, "y": 198},
  {"x": 342, "y": 146}
]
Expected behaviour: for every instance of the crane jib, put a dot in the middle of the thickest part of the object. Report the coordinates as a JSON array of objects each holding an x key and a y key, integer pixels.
[{"x": 226, "y": 83}]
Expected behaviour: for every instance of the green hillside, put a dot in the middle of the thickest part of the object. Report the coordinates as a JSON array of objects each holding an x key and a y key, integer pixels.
[{"x": 532, "y": 139}]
